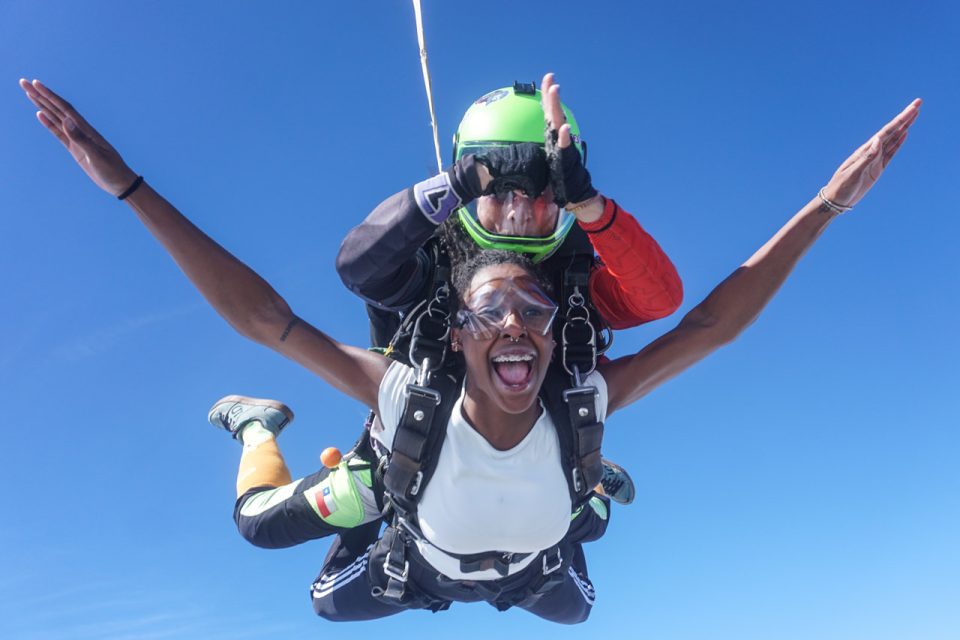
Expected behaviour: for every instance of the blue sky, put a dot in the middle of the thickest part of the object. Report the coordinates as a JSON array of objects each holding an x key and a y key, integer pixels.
[{"x": 800, "y": 483}]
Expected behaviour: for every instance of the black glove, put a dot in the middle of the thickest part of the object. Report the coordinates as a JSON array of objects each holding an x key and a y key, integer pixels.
[
  {"x": 516, "y": 166},
  {"x": 465, "y": 180},
  {"x": 568, "y": 177}
]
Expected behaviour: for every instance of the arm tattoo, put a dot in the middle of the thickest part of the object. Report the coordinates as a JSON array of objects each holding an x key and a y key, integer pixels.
[
  {"x": 825, "y": 210},
  {"x": 290, "y": 325}
]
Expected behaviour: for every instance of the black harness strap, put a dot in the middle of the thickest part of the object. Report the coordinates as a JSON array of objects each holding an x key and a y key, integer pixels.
[
  {"x": 418, "y": 439},
  {"x": 429, "y": 402},
  {"x": 396, "y": 567},
  {"x": 587, "y": 435},
  {"x": 574, "y": 414},
  {"x": 417, "y": 444}
]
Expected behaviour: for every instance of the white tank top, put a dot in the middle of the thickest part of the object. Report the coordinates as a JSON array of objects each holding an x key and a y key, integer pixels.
[{"x": 482, "y": 499}]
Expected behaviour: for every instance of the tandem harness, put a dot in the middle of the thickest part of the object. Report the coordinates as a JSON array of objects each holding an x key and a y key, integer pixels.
[{"x": 421, "y": 430}]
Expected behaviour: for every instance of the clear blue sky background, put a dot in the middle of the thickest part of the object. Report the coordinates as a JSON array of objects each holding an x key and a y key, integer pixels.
[{"x": 801, "y": 483}]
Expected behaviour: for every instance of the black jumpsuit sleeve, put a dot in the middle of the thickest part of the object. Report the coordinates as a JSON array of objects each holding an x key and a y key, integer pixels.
[{"x": 382, "y": 259}]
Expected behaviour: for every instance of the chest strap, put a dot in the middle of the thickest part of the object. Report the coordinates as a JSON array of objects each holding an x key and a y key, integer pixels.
[{"x": 396, "y": 565}]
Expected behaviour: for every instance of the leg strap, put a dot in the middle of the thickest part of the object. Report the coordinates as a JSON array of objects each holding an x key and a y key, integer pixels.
[{"x": 396, "y": 567}]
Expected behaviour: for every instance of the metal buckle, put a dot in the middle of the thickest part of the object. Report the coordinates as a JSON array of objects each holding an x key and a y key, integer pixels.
[
  {"x": 565, "y": 342},
  {"x": 400, "y": 576},
  {"x": 436, "y": 313},
  {"x": 548, "y": 570},
  {"x": 406, "y": 526},
  {"x": 568, "y": 394},
  {"x": 425, "y": 393},
  {"x": 424, "y": 370},
  {"x": 577, "y": 314},
  {"x": 417, "y": 479},
  {"x": 577, "y": 480},
  {"x": 498, "y": 562}
]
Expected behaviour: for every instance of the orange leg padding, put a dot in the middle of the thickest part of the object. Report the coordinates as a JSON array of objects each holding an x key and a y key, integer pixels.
[{"x": 262, "y": 466}]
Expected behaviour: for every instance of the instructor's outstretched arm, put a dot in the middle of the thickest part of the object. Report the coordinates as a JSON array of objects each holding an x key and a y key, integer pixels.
[
  {"x": 737, "y": 301},
  {"x": 242, "y": 297}
]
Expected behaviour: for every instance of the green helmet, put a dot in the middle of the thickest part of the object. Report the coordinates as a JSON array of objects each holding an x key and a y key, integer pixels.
[{"x": 503, "y": 117}]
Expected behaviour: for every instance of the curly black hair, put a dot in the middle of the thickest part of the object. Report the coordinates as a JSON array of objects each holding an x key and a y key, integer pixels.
[{"x": 466, "y": 258}]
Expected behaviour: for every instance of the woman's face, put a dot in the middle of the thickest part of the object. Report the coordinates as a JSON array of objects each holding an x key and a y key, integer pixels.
[
  {"x": 508, "y": 367},
  {"x": 518, "y": 215}
]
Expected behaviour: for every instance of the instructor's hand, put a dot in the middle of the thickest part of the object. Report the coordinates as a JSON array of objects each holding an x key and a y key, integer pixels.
[
  {"x": 861, "y": 170},
  {"x": 553, "y": 112},
  {"x": 96, "y": 156},
  {"x": 570, "y": 179}
]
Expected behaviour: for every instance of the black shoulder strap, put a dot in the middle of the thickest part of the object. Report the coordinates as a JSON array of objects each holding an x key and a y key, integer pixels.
[
  {"x": 423, "y": 427},
  {"x": 574, "y": 415},
  {"x": 419, "y": 438}
]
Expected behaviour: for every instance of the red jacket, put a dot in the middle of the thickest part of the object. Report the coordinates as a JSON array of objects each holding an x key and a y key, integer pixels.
[{"x": 634, "y": 281}]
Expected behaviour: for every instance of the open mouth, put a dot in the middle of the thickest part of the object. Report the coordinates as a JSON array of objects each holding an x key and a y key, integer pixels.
[{"x": 514, "y": 370}]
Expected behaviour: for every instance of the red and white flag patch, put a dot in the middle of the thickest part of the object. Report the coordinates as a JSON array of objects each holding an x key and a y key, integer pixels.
[{"x": 326, "y": 505}]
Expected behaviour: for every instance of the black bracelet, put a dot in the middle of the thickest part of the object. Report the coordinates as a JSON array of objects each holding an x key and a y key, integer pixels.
[
  {"x": 129, "y": 190},
  {"x": 609, "y": 222}
]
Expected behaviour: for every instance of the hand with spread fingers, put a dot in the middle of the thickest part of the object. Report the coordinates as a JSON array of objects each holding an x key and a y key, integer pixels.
[
  {"x": 860, "y": 171},
  {"x": 93, "y": 153}
]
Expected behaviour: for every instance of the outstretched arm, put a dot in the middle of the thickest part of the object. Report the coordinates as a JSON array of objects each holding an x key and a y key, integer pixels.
[
  {"x": 242, "y": 297},
  {"x": 738, "y": 300}
]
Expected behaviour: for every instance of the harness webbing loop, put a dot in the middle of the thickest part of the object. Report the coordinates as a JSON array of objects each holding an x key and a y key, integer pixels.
[{"x": 431, "y": 335}]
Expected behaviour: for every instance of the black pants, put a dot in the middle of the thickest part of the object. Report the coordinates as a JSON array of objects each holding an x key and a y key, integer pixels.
[{"x": 354, "y": 564}]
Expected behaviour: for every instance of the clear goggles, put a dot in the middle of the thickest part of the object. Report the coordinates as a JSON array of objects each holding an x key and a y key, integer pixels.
[{"x": 490, "y": 306}]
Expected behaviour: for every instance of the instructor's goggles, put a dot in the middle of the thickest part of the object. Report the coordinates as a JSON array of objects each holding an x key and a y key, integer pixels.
[
  {"x": 490, "y": 306},
  {"x": 536, "y": 247}
]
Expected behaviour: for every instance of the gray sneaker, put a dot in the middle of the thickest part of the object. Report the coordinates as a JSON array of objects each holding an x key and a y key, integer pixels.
[
  {"x": 616, "y": 483},
  {"x": 232, "y": 413}
]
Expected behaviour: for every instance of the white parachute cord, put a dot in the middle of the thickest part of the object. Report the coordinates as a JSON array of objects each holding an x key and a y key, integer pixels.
[{"x": 426, "y": 81}]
